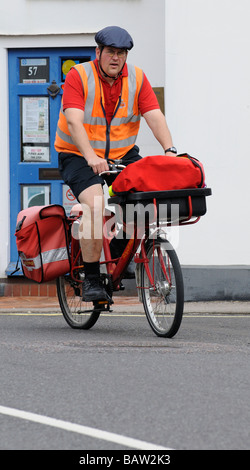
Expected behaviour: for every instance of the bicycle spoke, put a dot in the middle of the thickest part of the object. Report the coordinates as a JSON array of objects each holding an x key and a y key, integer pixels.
[
  {"x": 162, "y": 292},
  {"x": 77, "y": 313}
]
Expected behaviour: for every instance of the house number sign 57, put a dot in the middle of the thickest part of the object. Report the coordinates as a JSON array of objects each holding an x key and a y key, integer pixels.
[{"x": 34, "y": 70}]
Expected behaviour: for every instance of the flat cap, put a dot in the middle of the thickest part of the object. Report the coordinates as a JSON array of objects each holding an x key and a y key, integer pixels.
[{"x": 114, "y": 36}]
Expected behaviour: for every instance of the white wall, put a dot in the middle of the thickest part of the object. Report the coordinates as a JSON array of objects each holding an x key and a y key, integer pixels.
[
  {"x": 145, "y": 24},
  {"x": 208, "y": 110},
  {"x": 4, "y": 165}
]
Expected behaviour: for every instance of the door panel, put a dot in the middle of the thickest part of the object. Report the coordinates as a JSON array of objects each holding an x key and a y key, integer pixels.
[{"x": 36, "y": 78}]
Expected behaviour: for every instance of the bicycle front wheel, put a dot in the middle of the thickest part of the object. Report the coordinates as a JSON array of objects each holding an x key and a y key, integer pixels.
[
  {"x": 162, "y": 288},
  {"x": 77, "y": 313}
]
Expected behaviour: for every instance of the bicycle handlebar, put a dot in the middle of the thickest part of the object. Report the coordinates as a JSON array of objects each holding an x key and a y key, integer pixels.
[{"x": 113, "y": 168}]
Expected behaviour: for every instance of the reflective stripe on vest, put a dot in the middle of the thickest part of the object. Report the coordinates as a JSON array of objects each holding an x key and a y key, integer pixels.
[{"x": 113, "y": 140}]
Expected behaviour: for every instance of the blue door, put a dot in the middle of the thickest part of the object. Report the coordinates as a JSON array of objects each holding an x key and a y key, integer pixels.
[{"x": 36, "y": 78}]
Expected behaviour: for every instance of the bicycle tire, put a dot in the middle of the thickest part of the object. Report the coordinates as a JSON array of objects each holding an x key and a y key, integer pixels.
[
  {"x": 77, "y": 313},
  {"x": 164, "y": 302}
]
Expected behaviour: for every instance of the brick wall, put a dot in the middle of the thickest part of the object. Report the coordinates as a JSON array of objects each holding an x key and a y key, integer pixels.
[{"x": 16, "y": 287}]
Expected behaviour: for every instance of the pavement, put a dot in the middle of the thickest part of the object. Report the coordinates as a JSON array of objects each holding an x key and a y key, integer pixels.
[{"x": 122, "y": 304}]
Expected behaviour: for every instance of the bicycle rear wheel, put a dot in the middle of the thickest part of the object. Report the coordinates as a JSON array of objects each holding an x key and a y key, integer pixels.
[
  {"x": 163, "y": 295},
  {"x": 77, "y": 313}
]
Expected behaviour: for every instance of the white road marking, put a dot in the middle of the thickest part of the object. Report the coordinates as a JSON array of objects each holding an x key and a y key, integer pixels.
[{"x": 85, "y": 430}]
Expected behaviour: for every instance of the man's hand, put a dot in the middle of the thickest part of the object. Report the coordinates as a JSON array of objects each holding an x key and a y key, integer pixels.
[
  {"x": 75, "y": 119},
  {"x": 97, "y": 164},
  {"x": 170, "y": 154}
]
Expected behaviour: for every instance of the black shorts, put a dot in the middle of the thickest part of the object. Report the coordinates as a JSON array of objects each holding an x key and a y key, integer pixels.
[{"x": 78, "y": 175}]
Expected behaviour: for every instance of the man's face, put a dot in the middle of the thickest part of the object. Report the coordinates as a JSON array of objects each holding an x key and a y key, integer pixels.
[{"x": 112, "y": 60}]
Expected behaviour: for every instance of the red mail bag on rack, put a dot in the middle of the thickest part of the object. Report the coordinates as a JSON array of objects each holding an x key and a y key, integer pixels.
[
  {"x": 160, "y": 173},
  {"x": 41, "y": 238}
]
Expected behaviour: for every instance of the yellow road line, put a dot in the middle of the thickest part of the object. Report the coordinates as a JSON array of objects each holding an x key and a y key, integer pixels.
[{"x": 187, "y": 315}]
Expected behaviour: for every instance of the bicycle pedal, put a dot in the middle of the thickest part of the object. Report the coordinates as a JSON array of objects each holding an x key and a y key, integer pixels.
[
  {"x": 103, "y": 302},
  {"x": 102, "y": 306}
]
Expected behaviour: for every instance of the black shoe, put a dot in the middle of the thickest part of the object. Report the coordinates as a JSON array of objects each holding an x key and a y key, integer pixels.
[{"x": 93, "y": 289}]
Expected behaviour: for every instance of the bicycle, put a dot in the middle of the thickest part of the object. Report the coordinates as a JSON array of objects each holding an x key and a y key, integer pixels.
[{"x": 158, "y": 272}]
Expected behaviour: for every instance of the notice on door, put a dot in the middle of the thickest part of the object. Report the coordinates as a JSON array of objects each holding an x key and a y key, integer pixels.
[
  {"x": 35, "y": 119},
  {"x": 35, "y": 129},
  {"x": 36, "y": 154},
  {"x": 69, "y": 199}
]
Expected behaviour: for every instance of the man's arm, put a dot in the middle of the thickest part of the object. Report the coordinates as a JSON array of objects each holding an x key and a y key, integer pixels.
[
  {"x": 79, "y": 136},
  {"x": 157, "y": 123}
]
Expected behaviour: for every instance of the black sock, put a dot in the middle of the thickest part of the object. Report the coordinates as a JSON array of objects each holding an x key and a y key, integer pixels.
[{"x": 92, "y": 269}]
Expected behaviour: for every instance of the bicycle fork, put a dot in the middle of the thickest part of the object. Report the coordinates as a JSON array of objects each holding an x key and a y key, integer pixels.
[{"x": 142, "y": 258}]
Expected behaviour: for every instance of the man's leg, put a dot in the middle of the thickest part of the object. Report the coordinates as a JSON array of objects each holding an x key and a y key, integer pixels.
[
  {"x": 91, "y": 236},
  {"x": 92, "y": 202}
]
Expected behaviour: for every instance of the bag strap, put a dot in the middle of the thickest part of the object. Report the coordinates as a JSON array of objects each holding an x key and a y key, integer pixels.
[
  {"x": 20, "y": 223},
  {"x": 196, "y": 163},
  {"x": 17, "y": 268}
]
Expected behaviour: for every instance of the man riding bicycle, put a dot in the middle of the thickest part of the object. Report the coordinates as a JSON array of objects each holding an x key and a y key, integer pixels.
[{"x": 103, "y": 101}]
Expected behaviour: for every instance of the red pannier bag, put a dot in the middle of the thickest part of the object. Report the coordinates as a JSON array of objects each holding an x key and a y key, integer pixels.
[
  {"x": 160, "y": 173},
  {"x": 41, "y": 238}
]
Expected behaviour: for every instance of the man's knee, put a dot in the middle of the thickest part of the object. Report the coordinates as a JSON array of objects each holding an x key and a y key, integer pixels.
[{"x": 92, "y": 203}]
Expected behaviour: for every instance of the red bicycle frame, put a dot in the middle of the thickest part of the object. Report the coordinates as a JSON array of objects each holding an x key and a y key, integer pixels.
[{"x": 116, "y": 266}]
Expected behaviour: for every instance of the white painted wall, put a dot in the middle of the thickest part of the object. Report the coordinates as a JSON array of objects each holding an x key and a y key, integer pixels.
[
  {"x": 4, "y": 165},
  {"x": 208, "y": 110},
  {"x": 145, "y": 24},
  {"x": 200, "y": 51}
]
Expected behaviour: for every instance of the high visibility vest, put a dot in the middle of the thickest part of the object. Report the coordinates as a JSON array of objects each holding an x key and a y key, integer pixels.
[{"x": 112, "y": 140}]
